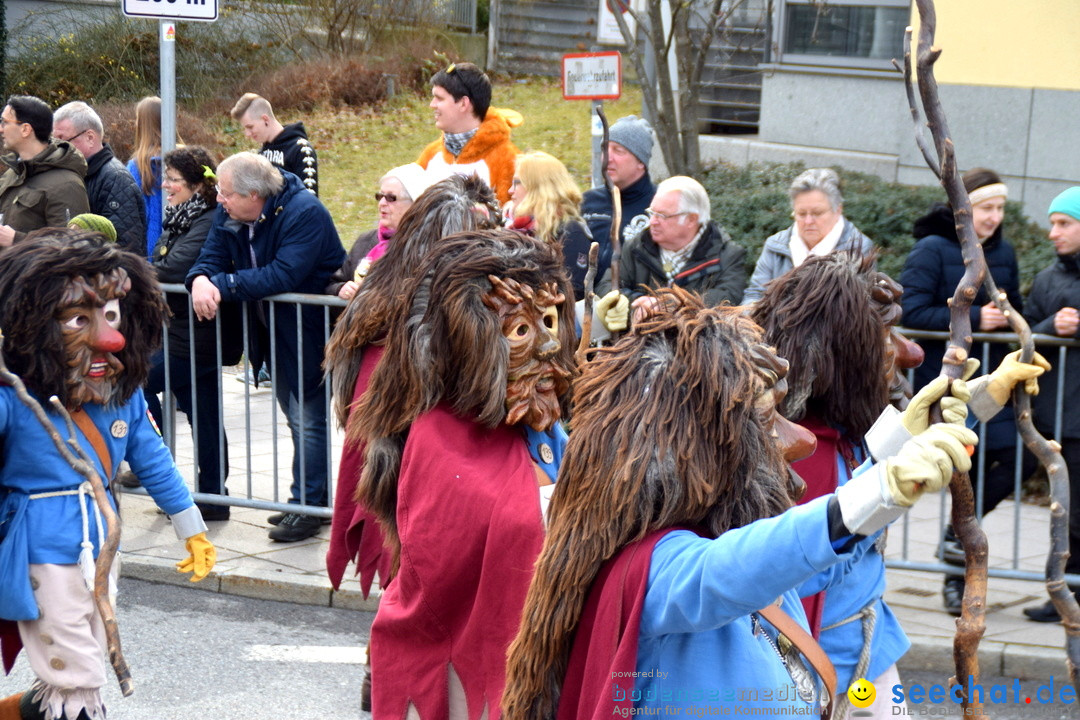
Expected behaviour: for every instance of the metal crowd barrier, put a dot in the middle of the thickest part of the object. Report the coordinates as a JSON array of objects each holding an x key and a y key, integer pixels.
[
  {"x": 250, "y": 487},
  {"x": 254, "y": 482},
  {"x": 1030, "y": 538}
]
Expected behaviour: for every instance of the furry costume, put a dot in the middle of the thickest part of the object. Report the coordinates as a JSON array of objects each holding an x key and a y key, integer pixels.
[
  {"x": 81, "y": 319},
  {"x": 487, "y": 342},
  {"x": 449, "y": 206},
  {"x": 833, "y": 318},
  {"x": 489, "y": 153}
]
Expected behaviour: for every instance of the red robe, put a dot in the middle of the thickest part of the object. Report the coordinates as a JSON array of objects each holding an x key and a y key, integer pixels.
[
  {"x": 820, "y": 474},
  {"x": 470, "y": 525},
  {"x": 354, "y": 533}
]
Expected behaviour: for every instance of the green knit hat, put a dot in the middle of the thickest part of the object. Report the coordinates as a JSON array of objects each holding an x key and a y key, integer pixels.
[{"x": 94, "y": 223}]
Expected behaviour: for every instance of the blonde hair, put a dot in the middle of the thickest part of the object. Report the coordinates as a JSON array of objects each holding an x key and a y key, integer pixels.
[
  {"x": 552, "y": 197},
  {"x": 147, "y": 139},
  {"x": 251, "y": 103}
]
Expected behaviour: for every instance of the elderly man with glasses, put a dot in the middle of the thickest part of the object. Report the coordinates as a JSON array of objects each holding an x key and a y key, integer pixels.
[
  {"x": 110, "y": 188},
  {"x": 683, "y": 247},
  {"x": 42, "y": 182}
]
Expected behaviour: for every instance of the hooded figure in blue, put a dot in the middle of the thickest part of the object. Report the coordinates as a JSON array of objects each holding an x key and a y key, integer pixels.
[
  {"x": 672, "y": 535},
  {"x": 80, "y": 319}
]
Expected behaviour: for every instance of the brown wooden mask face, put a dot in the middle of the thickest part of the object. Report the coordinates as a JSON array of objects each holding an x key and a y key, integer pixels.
[
  {"x": 530, "y": 322},
  {"x": 795, "y": 441},
  {"x": 89, "y": 317}
]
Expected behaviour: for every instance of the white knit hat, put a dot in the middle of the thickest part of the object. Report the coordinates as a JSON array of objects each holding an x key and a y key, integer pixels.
[{"x": 412, "y": 177}]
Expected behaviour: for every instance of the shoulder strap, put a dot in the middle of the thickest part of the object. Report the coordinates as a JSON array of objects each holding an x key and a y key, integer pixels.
[
  {"x": 92, "y": 434},
  {"x": 808, "y": 646}
]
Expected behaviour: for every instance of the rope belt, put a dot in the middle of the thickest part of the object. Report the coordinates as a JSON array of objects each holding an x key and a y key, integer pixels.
[
  {"x": 868, "y": 616},
  {"x": 86, "y": 553}
]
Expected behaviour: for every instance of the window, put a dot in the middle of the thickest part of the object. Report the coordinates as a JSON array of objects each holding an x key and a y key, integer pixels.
[{"x": 852, "y": 33}]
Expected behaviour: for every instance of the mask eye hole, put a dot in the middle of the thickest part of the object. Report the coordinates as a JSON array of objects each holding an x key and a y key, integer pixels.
[
  {"x": 112, "y": 313},
  {"x": 521, "y": 330}
]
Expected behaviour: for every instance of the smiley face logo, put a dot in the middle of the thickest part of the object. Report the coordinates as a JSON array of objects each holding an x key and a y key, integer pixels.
[{"x": 861, "y": 693}]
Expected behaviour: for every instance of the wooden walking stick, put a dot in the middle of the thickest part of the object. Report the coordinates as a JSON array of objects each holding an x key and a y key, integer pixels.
[
  {"x": 942, "y": 161},
  {"x": 586, "y": 319},
  {"x": 79, "y": 461}
]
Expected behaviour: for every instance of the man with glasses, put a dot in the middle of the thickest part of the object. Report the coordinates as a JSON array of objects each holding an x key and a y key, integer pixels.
[
  {"x": 681, "y": 247},
  {"x": 110, "y": 188},
  {"x": 42, "y": 183},
  {"x": 271, "y": 236}
]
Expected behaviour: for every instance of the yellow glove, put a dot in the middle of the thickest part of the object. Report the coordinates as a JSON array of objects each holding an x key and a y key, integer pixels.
[
  {"x": 925, "y": 463},
  {"x": 1011, "y": 372},
  {"x": 613, "y": 310},
  {"x": 916, "y": 417},
  {"x": 201, "y": 560}
]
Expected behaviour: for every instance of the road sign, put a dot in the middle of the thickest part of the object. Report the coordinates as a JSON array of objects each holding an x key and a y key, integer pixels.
[
  {"x": 204, "y": 10},
  {"x": 592, "y": 76},
  {"x": 607, "y": 27}
]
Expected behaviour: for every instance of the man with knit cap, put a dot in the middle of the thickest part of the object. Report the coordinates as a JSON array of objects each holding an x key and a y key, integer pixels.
[
  {"x": 1053, "y": 308},
  {"x": 475, "y": 136},
  {"x": 630, "y": 146}
]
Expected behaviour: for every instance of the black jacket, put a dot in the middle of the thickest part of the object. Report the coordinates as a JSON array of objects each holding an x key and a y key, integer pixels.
[
  {"x": 715, "y": 269},
  {"x": 291, "y": 150},
  {"x": 173, "y": 256},
  {"x": 931, "y": 273},
  {"x": 112, "y": 193},
  {"x": 596, "y": 211},
  {"x": 1055, "y": 287}
]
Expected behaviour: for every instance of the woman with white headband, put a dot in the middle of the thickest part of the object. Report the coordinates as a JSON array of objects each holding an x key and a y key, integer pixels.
[{"x": 931, "y": 273}]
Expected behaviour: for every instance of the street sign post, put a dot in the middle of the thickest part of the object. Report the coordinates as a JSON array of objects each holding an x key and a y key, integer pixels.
[
  {"x": 595, "y": 76},
  {"x": 203, "y": 10},
  {"x": 167, "y": 12}
]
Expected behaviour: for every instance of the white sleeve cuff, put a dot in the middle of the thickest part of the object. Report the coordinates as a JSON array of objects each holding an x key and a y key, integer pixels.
[
  {"x": 866, "y": 505},
  {"x": 599, "y": 332},
  {"x": 982, "y": 404},
  {"x": 188, "y": 522},
  {"x": 887, "y": 435}
]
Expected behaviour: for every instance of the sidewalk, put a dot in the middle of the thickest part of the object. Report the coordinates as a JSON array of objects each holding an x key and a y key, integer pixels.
[{"x": 251, "y": 565}]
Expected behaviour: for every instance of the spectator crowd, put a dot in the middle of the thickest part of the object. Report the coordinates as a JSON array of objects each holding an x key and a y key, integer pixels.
[{"x": 472, "y": 209}]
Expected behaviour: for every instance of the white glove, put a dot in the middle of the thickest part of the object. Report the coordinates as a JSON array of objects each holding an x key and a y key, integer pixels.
[
  {"x": 613, "y": 310},
  {"x": 883, "y": 493},
  {"x": 916, "y": 418}
]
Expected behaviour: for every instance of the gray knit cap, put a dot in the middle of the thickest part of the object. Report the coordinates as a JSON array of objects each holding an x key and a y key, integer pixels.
[{"x": 634, "y": 134}]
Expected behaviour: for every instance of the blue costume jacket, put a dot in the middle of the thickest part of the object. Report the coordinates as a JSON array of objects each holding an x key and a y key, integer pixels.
[
  {"x": 294, "y": 248},
  {"x": 32, "y": 465}
]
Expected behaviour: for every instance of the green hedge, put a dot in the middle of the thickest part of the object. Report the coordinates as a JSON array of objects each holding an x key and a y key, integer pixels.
[{"x": 752, "y": 203}]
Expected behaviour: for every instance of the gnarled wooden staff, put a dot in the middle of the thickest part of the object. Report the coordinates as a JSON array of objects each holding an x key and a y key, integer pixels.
[
  {"x": 942, "y": 161},
  {"x": 79, "y": 461},
  {"x": 586, "y": 318}
]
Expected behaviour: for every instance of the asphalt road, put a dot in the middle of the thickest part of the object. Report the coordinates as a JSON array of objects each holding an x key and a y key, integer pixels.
[{"x": 197, "y": 655}]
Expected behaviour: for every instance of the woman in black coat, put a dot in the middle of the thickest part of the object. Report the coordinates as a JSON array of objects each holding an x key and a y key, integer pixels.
[
  {"x": 931, "y": 273},
  {"x": 189, "y": 186}
]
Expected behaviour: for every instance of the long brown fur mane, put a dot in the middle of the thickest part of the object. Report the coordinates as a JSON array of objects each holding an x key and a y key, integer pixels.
[
  {"x": 665, "y": 433},
  {"x": 448, "y": 346},
  {"x": 823, "y": 319},
  {"x": 33, "y": 277},
  {"x": 448, "y": 206}
]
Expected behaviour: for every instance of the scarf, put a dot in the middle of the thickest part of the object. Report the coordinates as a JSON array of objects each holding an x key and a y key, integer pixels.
[
  {"x": 455, "y": 142},
  {"x": 383, "y": 242},
  {"x": 178, "y": 218},
  {"x": 673, "y": 261},
  {"x": 800, "y": 252}
]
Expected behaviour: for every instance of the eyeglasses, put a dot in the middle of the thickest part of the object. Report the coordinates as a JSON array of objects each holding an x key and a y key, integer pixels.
[
  {"x": 657, "y": 215},
  {"x": 74, "y": 136},
  {"x": 389, "y": 197},
  {"x": 517, "y": 181},
  {"x": 173, "y": 180}
]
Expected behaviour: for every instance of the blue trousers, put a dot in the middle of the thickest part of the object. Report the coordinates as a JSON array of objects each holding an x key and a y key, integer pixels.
[{"x": 307, "y": 424}]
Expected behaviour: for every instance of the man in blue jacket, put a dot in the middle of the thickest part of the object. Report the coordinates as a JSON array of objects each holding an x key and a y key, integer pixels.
[{"x": 271, "y": 236}]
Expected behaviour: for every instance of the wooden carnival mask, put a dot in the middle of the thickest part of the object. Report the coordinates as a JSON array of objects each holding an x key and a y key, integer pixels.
[
  {"x": 535, "y": 379},
  {"x": 89, "y": 318},
  {"x": 795, "y": 441}
]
